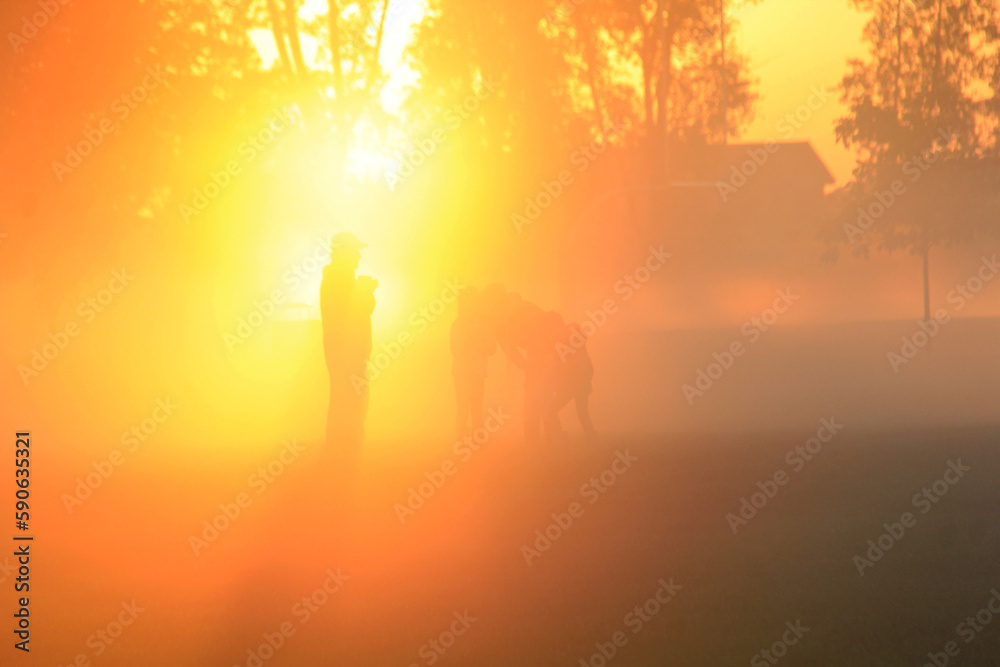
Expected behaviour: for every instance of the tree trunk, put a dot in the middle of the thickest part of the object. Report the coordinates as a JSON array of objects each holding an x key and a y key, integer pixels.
[
  {"x": 333, "y": 19},
  {"x": 927, "y": 284},
  {"x": 648, "y": 66},
  {"x": 935, "y": 88},
  {"x": 278, "y": 30},
  {"x": 292, "y": 25},
  {"x": 374, "y": 66},
  {"x": 590, "y": 62},
  {"x": 667, "y": 30},
  {"x": 899, "y": 57}
]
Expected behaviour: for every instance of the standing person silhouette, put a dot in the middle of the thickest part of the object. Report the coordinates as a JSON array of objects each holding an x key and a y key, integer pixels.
[{"x": 346, "y": 306}]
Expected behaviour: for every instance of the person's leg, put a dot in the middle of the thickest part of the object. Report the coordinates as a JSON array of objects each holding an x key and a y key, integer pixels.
[
  {"x": 348, "y": 411},
  {"x": 532, "y": 409},
  {"x": 363, "y": 402},
  {"x": 461, "y": 404},
  {"x": 583, "y": 413},
  {"x": 333, "y": 411},
  {"x": 552, "y": 426},
  {"x": 345, "y": 451},
  {"x": 477, "y": 392},
  {"x": 556, "y": 398},
  {"x": 549, "y": 403}
]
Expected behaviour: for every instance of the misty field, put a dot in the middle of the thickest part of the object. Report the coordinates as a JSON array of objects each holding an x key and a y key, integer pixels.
[
  {"x": 428, "y": 531},
  {"x": 663, "y": 519}
]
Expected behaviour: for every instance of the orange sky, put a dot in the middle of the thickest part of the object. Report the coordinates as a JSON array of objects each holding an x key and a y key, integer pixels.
[{"x": 795, "y": 45}]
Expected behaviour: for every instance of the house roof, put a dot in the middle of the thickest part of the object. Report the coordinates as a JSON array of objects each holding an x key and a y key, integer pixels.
[{"x": 796, "y": 160}]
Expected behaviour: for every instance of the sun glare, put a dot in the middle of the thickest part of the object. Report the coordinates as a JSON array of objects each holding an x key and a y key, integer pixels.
[
  {"x": 370, "y": 157},
  {"x": 367, "y": 164}
]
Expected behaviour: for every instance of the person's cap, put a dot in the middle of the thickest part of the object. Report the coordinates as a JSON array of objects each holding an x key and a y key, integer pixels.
[{"x": 346, "y": 241}]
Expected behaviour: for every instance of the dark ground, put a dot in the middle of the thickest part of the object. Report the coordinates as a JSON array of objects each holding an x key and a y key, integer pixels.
[{"x": 663, "y": 518}]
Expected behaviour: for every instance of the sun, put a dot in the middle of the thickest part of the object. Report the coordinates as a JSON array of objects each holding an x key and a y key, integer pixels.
[{"x": 369, "y": 164}]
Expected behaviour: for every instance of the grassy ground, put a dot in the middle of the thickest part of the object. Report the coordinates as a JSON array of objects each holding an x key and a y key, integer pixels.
[{"x": 664, "y": 517}]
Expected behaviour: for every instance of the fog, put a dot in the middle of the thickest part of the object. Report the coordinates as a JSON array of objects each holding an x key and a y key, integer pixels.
[{"x": 793, "y": 390}]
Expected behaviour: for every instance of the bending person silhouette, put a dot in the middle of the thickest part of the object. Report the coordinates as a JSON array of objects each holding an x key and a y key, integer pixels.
[
  {"x": 572, "y": 375},
  {"x": 521, "y": 336},
  {"x": 346, "y": 306},
  {"x": 472, "y": 343}
]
